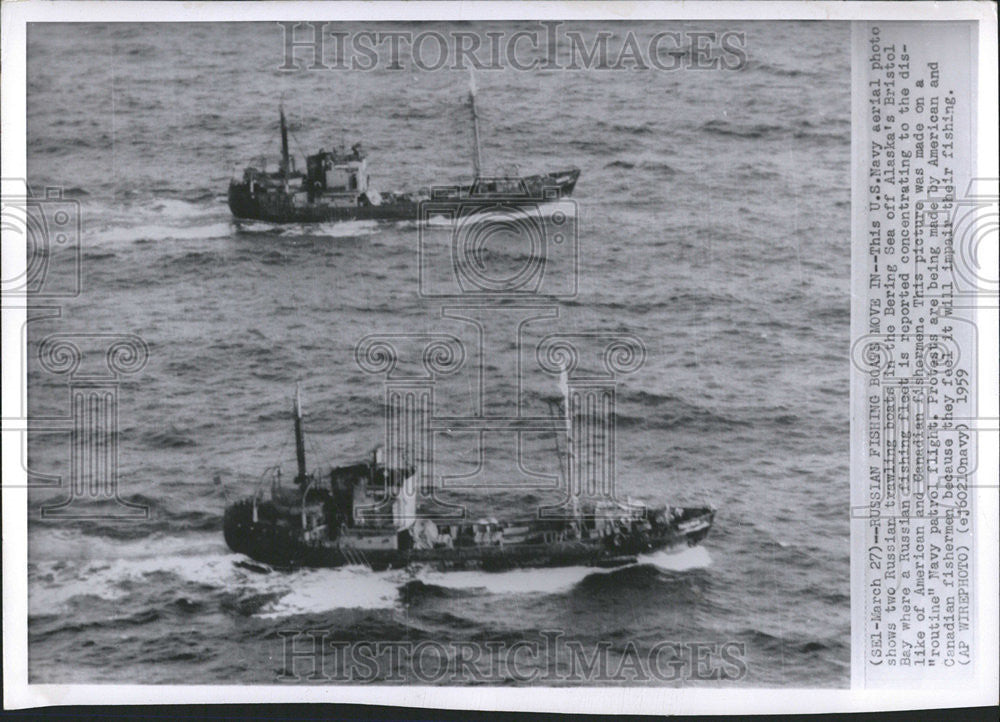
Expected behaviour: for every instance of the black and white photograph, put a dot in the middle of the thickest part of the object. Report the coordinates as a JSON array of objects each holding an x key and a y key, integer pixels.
[{"x": 451, "y": 352}]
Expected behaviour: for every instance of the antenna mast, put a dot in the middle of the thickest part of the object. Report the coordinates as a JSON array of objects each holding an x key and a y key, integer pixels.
[
  {"x": 284, "y": 143},
  {"x": 477, "y": 163},
  {"x": 572, "y": 473},
  {"x": 300, "y": 444}
]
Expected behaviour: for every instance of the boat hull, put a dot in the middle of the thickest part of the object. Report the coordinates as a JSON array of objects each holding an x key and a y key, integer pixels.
[
  {"x": 282, "y": 546},
  {"x": 249, "y": 201}
]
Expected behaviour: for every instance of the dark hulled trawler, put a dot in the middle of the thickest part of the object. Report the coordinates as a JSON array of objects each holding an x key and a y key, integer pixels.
[
  {"x": 336, "y": 186},
  {"x": 366, "y": 513}
]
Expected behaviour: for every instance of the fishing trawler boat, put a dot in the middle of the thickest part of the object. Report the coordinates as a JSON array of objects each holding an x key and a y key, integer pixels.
[
  {"x": 337, "y": 186},
  {"x": 366, "y": 513}
]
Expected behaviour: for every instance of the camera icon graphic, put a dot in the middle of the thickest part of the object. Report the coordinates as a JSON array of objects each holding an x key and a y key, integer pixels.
[
  {"x": 498, "y": 238},
  {"x": 962, "y": 236},
  {"x": 48, "y": 228}
]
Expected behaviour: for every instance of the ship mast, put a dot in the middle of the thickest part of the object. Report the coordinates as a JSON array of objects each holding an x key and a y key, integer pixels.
[
  {"x": 572, "y": 473},
  {"x": 284, "y": 143},
  {"x": 300, "y": 443},
  {"x": 477, "y": 163}
]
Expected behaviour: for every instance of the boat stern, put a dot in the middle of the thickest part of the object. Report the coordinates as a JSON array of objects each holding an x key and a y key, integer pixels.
[
  {"x": 566, "y": 180},
  {"x": 242, "y": 203}
]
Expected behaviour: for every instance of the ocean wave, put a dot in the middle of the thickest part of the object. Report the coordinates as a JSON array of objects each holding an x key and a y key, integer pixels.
[
  {"x": 189, "y": 259},
  {"x": 688, "y": 300},
  {"x": 802, "y": 130},
  {"x": 93, "y": 255},
  {"x": 137, "y": 565},
  {"x": 752, "y": 131},
  {"x": 659, "y": 167},
  {"x": 161, "y": 517},
  {"x": 157, "y": 219},
  {"x": 777, "y": 70},
  {"x": 329, "y": 230},
  {"x": 680, "y": 415},
  {"x": 168, "y": 438},
  {"x": 46, "y": 626},
  {"x": 790, "y": 642},
  {"x": 318, "y": 590},
  {"x": 626, "y": 128},
  {"x": 158, "y": 232},
  {"x": 694, "y": 558}
]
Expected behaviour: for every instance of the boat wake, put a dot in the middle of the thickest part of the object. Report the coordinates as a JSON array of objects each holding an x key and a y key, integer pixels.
[
  {"x": 343, "y": 229},
  {"x": 316, "y": 591},
  {"x": 557, "y": 579},
  {"x": 515, "y": 581},
  {"x": 162, "y": 220},
  {"x": 122, "y": 574},
  {"x": 156, "y": 232},
  {"x": 692, "y": 558},
  {"x": 115, "y": 574},
  {"x": 553, "y": 211},
  {"x": 310, "y": 231}
]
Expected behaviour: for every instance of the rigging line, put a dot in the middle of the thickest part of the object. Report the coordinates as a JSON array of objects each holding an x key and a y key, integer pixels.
[
  {"x": 316, "y": 452},
  {"x": 281, "y": 454},
  {"x": 314, "y": 449},
  {"x": 560, "y": 458}
]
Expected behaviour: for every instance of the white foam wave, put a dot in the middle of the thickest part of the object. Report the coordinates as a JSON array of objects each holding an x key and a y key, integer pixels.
[
  {"x": 692, "y": 558},
  {"x": 321, "y": 590},
  {"x": 515, "y": 581},
  {"x": 556, "y": 579},
  {"x": 156, "y": 220},
  {"x": 55, "y": 584},
  {"x": 112, "y": 571},
  {"x": 181, "y": 210},
  {"x": 552, "y": 211},
  {"x": 437, "y": 222},
  {"x": 248, "y": 226},
  {"x": 339, "y": 229},
  {"x": 156, "y": 232}
]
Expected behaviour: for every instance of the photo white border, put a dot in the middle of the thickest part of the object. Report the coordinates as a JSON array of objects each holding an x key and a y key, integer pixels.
[{"x": 19, "y": 694}]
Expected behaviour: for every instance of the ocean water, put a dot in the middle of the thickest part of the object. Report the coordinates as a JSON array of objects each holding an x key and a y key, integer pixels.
[{"x": 713, "y": 224}]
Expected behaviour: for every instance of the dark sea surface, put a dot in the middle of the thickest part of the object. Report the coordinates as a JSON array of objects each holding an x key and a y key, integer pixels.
[{"x": 713, "y": 216}]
